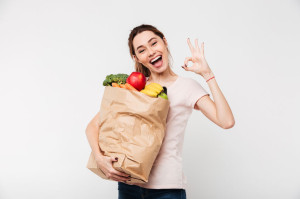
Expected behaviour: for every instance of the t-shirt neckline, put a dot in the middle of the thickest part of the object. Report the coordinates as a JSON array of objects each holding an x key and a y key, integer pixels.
[{"x": 172, "y": 83}]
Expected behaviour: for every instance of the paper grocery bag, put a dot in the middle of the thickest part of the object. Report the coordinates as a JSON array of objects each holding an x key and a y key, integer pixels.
[{"x": 132, "y": 128}]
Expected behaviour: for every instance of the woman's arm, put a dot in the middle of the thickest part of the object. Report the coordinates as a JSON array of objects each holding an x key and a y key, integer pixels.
[
  {"x": 103, "y": 162},
  {"x": 218, "y": 111},
  {"x": 92, "y": 133}
]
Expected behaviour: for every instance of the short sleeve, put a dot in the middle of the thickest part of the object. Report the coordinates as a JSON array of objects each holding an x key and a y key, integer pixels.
[{"x": 194, "y": 92}]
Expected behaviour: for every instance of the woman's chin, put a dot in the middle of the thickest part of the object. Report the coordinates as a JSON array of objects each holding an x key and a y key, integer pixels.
[{"x": 160, "y": 69}]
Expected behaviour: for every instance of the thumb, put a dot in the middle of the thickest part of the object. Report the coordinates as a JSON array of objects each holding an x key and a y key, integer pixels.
[
  {"x": 187, "y": 59},
  {"x": 114, "y": 159}
]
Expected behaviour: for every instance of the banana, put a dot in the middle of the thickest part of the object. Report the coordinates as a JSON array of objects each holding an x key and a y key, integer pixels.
[
  {"x": 154, "y": 90},
  {"x": 155, "y": 87},
  {"x": 151, "y": 88},
  {"x": 151, "y": 93}
]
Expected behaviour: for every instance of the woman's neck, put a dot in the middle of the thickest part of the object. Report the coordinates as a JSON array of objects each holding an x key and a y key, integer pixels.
[{"x": 163, "y": 78}]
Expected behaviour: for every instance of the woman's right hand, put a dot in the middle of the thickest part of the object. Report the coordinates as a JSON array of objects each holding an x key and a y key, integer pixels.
[{"x": 105, "y": 163}]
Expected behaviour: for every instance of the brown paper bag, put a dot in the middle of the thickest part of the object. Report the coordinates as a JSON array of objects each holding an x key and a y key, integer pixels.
[{"x": 132, "y": 128}]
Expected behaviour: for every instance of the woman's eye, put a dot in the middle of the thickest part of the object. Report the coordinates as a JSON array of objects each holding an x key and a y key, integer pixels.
[
  {"x": 154, "y": 43},
  {"x": 141, "y": 51}
]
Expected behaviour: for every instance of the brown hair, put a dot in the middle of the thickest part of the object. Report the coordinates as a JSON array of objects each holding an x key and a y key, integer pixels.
[{"x": 144, "y": 27}]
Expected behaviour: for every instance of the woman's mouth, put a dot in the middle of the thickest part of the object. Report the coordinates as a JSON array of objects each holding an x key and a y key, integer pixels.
[{"x": 157, "y": 61}]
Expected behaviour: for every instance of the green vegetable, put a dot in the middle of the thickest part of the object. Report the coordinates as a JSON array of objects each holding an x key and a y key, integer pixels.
[
  {"x": 163, "y": 95},
  {"x": 119, "y": 78}
]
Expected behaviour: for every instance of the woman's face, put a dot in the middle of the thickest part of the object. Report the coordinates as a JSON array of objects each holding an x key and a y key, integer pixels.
[{"x": 151, "y": 51}]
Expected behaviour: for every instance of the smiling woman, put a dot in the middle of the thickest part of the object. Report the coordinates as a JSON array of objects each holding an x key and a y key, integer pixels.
[
  {"x": 150, "y": 40},
  {"x": 152, "y": 53},
  {"x": 149, "y": 49}
]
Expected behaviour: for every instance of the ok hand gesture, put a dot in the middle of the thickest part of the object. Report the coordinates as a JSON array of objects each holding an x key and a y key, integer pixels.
[{"x": 200, "y": 65}]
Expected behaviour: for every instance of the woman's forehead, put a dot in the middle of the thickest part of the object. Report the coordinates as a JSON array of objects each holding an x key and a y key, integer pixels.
[{"x": 143, "y": 38}]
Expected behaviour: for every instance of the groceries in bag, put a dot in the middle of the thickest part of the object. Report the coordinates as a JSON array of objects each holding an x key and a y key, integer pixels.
[{"x": 132, "y": 127}]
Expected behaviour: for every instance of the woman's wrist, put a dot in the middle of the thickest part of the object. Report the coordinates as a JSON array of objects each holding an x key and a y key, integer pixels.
[{"x": 208, "y": 75}]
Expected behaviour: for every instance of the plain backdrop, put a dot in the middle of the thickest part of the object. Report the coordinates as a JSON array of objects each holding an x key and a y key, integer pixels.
[{"x": 55, "y": 54}]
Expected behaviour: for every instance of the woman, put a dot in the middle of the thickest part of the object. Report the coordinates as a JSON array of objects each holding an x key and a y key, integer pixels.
[{"x": 149, "y": 48}]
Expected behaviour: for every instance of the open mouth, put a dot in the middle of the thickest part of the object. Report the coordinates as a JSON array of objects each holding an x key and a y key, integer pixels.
[{"x": 157, "y": 61}]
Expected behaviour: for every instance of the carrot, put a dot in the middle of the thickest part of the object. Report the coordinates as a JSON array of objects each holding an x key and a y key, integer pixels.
[
  {"x": 122, "y": 86},
  {"x": 115, "y": 85},
  {"x": 129, "y": 87}
]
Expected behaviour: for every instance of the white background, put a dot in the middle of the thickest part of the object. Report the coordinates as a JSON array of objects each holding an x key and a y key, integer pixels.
[{"x": 55, "y": 54}]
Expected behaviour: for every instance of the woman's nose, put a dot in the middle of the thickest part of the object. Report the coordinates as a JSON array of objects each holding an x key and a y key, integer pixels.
[{"x": 151, "y": 52}]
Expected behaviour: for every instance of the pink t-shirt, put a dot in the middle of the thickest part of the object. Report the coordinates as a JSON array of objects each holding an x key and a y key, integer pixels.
[{"x": 167, "y": 170}]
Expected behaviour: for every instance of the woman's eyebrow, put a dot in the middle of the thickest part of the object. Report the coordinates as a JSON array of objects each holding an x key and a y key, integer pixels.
[{"x": 148, "y": 42}]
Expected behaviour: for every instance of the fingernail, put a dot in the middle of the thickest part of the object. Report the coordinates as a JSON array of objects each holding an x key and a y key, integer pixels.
[
  {"x": 185, "y": 65},
  {"x": 116, "y": 158},
  {"x": 182, "y": 67}
]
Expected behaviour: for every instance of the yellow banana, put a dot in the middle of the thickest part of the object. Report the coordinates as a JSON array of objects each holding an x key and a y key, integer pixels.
[
  {"x": 157, "y": 91},
  {"x": 155, "y": 87},
  {"x": 151, "y": 93}
]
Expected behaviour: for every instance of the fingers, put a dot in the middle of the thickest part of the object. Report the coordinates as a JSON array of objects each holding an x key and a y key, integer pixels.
[
  {"x": 118, "y": 180},
  {"x": 116, "y": 172},
  {"x": 190, "y": 45},
  {"x": 118, "y": 176},
  {"x": 186, "y": 68},
  {"x": 186, "y": 61},
  {"x": 196, "y": 44},
  {"x": 202, "y": 48}
]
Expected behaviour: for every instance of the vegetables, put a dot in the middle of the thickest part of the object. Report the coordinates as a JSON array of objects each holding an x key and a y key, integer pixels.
[
  {"x": 163, "y": 95},
  {"x": 136, "y": 81},
  {"x": 129, "y": 87},
  {"x": 119, "y": 78},
  {"x": 122, "y": 85},
  {"x": 115, "y": 85},
  {"x": 118, "y": 81}
]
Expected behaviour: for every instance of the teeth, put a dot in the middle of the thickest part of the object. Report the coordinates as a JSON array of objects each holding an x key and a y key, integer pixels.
[{"x": 155, "y": 59}]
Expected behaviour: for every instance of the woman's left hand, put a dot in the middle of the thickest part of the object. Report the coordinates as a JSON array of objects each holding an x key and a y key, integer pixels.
[{"x": 200, "y": 65}]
